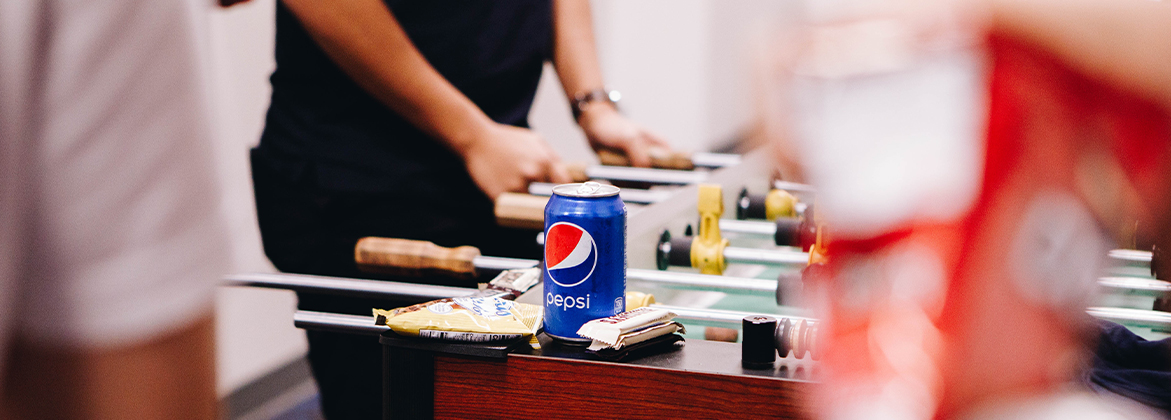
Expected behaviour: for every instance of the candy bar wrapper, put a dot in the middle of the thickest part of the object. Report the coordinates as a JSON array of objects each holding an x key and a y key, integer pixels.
[
  {"x": 467, "y": 319},
  {"x": 657, "y": 345},
  {"x": 608, "y": 330},
  {"x": 510, "y": 284},
  {"x": 519, "y": 280},
  {"x": 640, "y": 335}
]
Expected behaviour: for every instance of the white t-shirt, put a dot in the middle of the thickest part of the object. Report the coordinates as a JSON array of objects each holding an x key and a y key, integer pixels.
[{"x": 110, "y": 229}]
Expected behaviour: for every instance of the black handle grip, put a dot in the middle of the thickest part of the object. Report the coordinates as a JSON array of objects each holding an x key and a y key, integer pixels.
[{"x": 673, "y": 251}]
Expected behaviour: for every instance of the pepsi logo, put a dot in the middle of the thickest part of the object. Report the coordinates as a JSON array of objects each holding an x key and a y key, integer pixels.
[{"x": 570, "y": 254}]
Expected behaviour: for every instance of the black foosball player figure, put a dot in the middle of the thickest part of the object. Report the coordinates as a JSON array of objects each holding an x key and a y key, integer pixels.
[{"x": 406, "y": 119}]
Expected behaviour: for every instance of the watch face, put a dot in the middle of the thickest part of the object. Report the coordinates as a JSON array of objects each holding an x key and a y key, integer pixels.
[{"x": 580, "y": 99}]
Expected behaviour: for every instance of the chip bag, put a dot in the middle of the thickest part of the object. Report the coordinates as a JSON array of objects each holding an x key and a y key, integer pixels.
[{"x": 467, "y": 319}]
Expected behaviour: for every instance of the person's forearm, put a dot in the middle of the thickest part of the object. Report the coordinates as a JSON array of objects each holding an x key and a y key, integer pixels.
[
  {"x": 366, "y": 41},
  {"x": 574, "y": 53},
  {"x": 1125, "y": 42}
]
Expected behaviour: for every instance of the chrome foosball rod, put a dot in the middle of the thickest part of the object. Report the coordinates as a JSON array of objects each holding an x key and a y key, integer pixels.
[
  {"x": 409, "y": 257},
  {"x": 667, "y": 159},
  {"x": 1136, "y": 285},
  {"x": 360, "y": 288},
  {"x": 527, "y": 211},
  {"x": 401, "y": 291},
  {"x": 662, "y": 158},
  {"x": 682, "y": 252},
  {"x": 1139, "y": 318},
  {"x": 794, "y": 335},
  {"x": 338, "y": 323},
  {"x": 379, "y": 289},
  {"x": 801, "y": 232},
  {"x": 417, "y": 258},
  {"x": 582, "y": 173},
  {"x": 391, "y": 290},
  {"x": 776, "y": 203},
  {"x": 629, "y": 195}
]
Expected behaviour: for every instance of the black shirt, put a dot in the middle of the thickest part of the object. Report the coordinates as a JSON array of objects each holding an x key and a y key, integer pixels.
[{"x": 320, "y": 124}]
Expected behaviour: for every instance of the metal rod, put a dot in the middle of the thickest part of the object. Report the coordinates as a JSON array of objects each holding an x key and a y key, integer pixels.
[
  {"x": 1145, "y": 286},
  {"x": 339, "y": 323},
  {"x": 793, "y": 186},
  {"x": 373, "y": 289},
  {"x": 501, "y": 263},
  {"x": 629, "y": 195},
  {"x": 766, "y": 256},
  {"x": 703, "y": 281},
  {"x": 1130, "y": 255},
  {"x": 748, "y": 227},
  {"x": 654, "y": 176},
  {"x": 717, "y": 315},
  {"x": 376, "y": 289},
  {"x": 1133, "y": 317},
  {"x": 683, "y": 279},
  {"x": 714, "y": 160},
  {"x": 364, "y": 325}
]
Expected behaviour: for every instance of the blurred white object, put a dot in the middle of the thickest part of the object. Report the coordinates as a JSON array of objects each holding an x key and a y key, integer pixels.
[
  {"x": 888, "y": 125},
  {"x": 107, "y": 185},
  {"x": 1071, "y": 405},
  {"x": 1058, "y": 252}
]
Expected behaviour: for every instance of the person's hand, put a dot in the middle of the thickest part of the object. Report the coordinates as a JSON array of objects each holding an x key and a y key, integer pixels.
[
  {"x": 504, "y": 158},
  {"x": 607, "y": 129}
]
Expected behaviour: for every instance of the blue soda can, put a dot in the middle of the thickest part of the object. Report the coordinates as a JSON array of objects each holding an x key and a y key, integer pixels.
[{"x": 585, "y": 257}]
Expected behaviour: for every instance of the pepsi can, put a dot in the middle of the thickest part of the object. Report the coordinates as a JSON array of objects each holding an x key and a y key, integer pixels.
[{"x": 585, "y": 257}]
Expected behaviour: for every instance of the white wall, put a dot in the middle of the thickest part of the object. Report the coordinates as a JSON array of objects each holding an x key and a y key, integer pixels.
[
  {"x": 680, "y": 64},
  {"x": 682, "y": 67}
]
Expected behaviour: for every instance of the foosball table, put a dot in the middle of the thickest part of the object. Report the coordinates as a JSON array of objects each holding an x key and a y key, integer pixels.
[{"x": 697, "y": 251}]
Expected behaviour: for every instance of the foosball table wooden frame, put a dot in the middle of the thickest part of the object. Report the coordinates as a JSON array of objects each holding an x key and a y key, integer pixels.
[{"x": 703, "y": 379}]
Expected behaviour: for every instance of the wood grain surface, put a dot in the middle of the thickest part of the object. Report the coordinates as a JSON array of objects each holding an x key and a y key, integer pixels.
[
  {"x": 660, "y": 158},
  {"x": 549, "y": 388},
  {"x": 524, "y": 211},
  {"x": 414, "y": 258}
]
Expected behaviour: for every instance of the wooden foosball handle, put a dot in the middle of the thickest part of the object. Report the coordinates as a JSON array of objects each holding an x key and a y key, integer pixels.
[
  {"x": 524, "y": 211},
  {"x": 660, "y": 159},
  {"x": 406, "y": 257},
  {"x": 577, "y": 172}
]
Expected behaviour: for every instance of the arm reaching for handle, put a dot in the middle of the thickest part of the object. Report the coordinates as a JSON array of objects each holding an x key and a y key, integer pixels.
[
  {"x": 576, "y": 60},
  {"x": 366, "y": 41}
]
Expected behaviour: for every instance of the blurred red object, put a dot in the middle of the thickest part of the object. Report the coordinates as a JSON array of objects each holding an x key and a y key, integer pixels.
[{"x": 935, "y": 319}]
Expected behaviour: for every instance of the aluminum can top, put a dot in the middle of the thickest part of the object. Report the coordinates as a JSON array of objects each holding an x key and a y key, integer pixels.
[{"x": 586, "y": 190}]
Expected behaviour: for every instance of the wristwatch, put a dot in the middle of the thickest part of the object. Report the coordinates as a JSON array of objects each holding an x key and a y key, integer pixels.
[{"x": 580, "y": 99}]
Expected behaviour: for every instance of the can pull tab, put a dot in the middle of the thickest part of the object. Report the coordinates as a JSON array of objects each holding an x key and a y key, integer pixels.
[{"x": 588, "y": 188}]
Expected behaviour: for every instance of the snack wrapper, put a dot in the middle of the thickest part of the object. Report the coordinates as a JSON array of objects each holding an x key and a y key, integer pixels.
[
  {"x": 640, "y": 335},
  {"x": 608, "y": 330},
  {"x": 467, "y": 319},
  {"x": 510, "y": 284}
]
